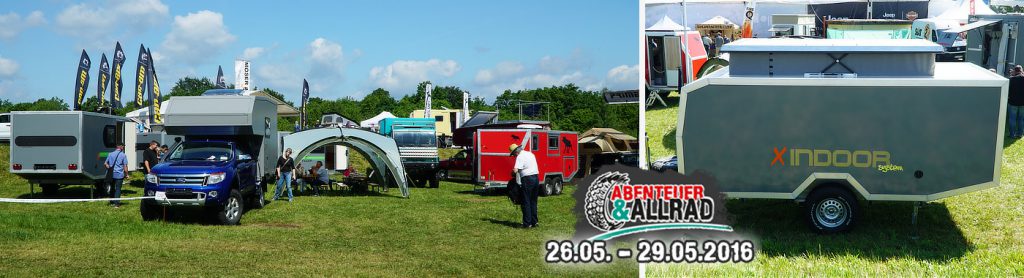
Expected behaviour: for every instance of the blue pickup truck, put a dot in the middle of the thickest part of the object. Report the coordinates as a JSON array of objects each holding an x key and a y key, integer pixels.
[
  {"x": 218, "y": 175},
  {"x": 226, "y": 157}
]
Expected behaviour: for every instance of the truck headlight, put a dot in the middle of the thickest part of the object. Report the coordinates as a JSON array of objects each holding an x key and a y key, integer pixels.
[
  {"x": 151, "y": 178},
  {"x": 215, "y": 178}
]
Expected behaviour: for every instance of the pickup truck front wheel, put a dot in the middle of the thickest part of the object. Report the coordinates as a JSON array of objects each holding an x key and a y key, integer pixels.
[
  {"x": 231, "y": 212},
  {"x": 149, "y": 212}
]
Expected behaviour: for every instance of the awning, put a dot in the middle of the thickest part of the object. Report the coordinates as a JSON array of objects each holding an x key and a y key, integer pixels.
[
  {"x": 781, "y": 29},
  {"x": 971, "y": 26}
]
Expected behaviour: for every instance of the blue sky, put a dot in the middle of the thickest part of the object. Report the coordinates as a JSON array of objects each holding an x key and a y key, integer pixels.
[{"x": 344, "y": 48}]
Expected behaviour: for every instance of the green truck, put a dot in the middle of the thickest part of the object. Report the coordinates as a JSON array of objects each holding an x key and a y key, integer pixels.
[{"x": 417, "y": 143}]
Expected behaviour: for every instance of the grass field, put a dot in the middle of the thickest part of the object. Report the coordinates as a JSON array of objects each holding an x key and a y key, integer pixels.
[
  {"x": 978, "y": 234},
  {"x": 449, "y": 231}
]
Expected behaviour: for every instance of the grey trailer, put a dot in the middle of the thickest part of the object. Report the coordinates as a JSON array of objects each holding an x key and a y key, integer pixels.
[
  {"x": 244, "y": 119},
  {"x": 831, "y": 122},
  {"x": 992, "y": 40},
  {"x": 142, "y": 143},
  {"x": 58, "y": 148}
]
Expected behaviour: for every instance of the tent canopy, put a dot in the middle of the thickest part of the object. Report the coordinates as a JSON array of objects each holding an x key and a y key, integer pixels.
[
  {"x": 372, "y": 122},
  {"x": 606, "y": 140},
  {"x": 720, "y": 20},
  {"x": 963, "y": 10},
  {"x": 667, "y": 24}
]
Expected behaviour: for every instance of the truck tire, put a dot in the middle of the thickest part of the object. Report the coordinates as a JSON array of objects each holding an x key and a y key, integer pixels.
[
  {"x": 231, "y": 212},
  {"x": 547, "y": 188},
  {"x": 258, "y": 200},
  {"x": 148, "y": 211},
  {"x": 831, "y": 210},
  {"x": 435, "y": 181},
  {"x": 50, "y": 189}
]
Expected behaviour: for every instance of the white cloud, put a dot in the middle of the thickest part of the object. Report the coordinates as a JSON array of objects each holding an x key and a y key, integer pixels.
[
  {"x": 623, "y": 77},
  {"x": 252, "y": 53},
  {"x": 8, "y": 67},
  {"x": 197, "y": 37},
  {"x": 502, "y": 70},
  {"x": 326, "y": 57},
  {"x": 547, "y": 71},
  {"x": 403, "y": 75},
  {"x": 11, "y": 24},
  {"x": 96, "y": 26}
]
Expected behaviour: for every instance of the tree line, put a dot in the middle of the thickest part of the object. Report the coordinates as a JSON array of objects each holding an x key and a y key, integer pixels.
[{"x": 567, "y": 107}]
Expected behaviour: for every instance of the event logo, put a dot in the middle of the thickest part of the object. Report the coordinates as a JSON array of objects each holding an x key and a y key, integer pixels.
[
  {"x": 612, "y": 202},
  {"x": 673, "y": 218},
  {"x": 622, "y": 201}
]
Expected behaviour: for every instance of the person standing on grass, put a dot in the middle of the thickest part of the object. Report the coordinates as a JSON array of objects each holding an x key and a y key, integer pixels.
[
  {"x": 1015, "y": 103},
  {"x": 150, "y": 158},
  {"x": 116, "y": 163},
  {"x": 285, "y": 166},
  {"x": 526, "y": 170}
]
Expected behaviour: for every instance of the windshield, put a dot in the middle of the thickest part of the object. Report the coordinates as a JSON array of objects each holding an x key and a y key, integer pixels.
[
  {"x": 204, "y": 151},
  {"x": 420, "y": 138}
]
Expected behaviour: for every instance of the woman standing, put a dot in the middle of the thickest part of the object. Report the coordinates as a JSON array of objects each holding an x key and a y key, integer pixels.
[{"x": 285, "y": 165}]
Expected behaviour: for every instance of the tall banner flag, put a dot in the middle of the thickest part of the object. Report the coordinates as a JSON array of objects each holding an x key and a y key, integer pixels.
[
  {"x": 242, "y": 80},
  {"x": 101, "y": 85},
  {"x": 154, "y": 93},
  {"x": 221, "y": 83},
  {"x": 115, "y": 85},
  {"x": 465, "y": 109},
  {"x": 82, "y": 79},
  {"x": 748, "y": 23},
  {"x": 140, "y": 76},
  {"x": 426, "y": 102},
  {"x": 305, "y": 98}
]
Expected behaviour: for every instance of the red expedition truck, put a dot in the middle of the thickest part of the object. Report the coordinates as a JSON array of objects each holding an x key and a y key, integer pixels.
[{"x": 488, "y": 162}]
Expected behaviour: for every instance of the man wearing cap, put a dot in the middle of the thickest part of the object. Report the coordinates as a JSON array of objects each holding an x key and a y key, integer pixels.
[{"x": 526, "y": 171}]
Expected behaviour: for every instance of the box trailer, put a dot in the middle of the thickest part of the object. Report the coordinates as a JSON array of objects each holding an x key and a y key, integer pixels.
[
  {"x": 489, "y": 162},
  {"x": 792, "y": 25},
  {"x": 58, "y": 148},
  {"x": 992, "y": 40},
  {"x": 831, "y": 122}
]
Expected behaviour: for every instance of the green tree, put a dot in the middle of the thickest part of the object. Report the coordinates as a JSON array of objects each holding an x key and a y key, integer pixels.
[
  {"x": 377, "y": 101},
  {"x": 190, "y": 86}
]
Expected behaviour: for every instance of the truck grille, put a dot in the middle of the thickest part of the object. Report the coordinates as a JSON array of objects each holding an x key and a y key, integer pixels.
[
  {"x": 418, "y": 152},
  {"x": 182, "y": 179}
]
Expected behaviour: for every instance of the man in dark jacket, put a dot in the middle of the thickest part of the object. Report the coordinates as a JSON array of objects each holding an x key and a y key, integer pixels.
[{"x": 1015, "y": 103}]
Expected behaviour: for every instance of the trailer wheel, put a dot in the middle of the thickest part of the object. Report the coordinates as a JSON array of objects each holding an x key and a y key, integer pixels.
[
  {"x": 148, "y": 211},
  {"x": 831, "y": 210},
  {"x": 442, "y": 174},
  {"x": 549, "y": 188},
  {"x": 231, "y": 212},
  {"x": 50, "y": 189},
  {"x": 558, "y": 186}
]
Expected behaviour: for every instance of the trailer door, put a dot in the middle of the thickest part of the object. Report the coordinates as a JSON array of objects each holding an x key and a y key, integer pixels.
[{"x": 568, "y": 143}]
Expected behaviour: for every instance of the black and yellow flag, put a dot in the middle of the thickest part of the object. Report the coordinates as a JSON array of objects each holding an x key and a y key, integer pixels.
[
  {"x": 101, "y": 85},
  {"x": 82, "y": 79},
  {"x": 115, "y": 85},
  {"x": 154, "y": 93},
  {"x": 140, "y": 76}
]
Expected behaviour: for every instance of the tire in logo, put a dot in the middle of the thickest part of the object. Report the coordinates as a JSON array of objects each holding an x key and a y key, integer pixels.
[{"x": 597, "y": 205}]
